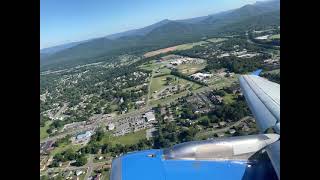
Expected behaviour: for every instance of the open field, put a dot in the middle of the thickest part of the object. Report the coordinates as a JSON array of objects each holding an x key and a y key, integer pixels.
[
  {"x": 114, "y": 106},
  {"x": 174, "y": 48},
  {"x": 159, "y": 83},
  {"x": 162, "y": 71},
  {"x": 43, "y": 130},
  {"x": 131, "y": 138},
  {"x": 64, "y": 147},
  {"x": 275, "y": 36},
  {"x": 160, "y": 51},
  {"x": 168, "y": 99},
  {"x": 222, "y": 82},
  {"x": 106, "y": 175},
  {"x": 190, "y": 45},
  {"x": 215, "y": 40},
  {"x": 149, "y": 66},
  {"x": 189, "y": 69},
  {"x": 134, "y": 88},
  {"x": 228, "y": 98}
]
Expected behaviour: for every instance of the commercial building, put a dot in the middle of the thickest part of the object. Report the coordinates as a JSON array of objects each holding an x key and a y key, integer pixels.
[
  {"x": 84, "y": 136},
  {"x": 111, "y": 126},
  {"x": 150, "y": 116}
]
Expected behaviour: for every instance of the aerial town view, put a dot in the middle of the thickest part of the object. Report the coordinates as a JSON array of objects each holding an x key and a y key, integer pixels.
[{"x": 167, "y": 83}]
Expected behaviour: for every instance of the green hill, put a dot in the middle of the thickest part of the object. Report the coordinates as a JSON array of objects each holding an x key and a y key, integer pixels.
[{"x": 167, "y": 33}]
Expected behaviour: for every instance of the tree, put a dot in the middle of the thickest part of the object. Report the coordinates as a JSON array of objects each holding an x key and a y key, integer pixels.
[
  {"x": 65, "y": 140},
  {"x": 107, "y": 110},
  {"x": 80, "y": 161},
  {"x": 44, "y": 177},
  {"x": 169, "y": 78},
  {"x": 43, "y": 120},
  {"x": 54, "y": 163},
  {"x": 49, "y": 131},
  {"x": 105, "y": 148},
  {"x": 97, "y": 136},
  {"x": 204, "y": 121}
]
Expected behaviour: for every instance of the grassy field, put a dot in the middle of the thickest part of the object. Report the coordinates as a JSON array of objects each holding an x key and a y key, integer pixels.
[
  {"x": 202, "y": 117},
  {"x": 162, "y": 71},
  {"x": 133, "y": 88},
  {"x": 149, "y": 66},
  {"x": 43, "y": 130},
  {"x": 157, "y": 83},
  {"x": 114, "y": 106},
  {"x": 168, "y": 99},
  {"x": 106, "y": 175},
  {"x": 182, "y": 47},
  {"x": 228, "y": 98},
  {"x": 81, "y": 177},
  {"x": 64, "y": 147},
  {"x": 174, "y": 48},
  {"x": 106, "y": 157},
  {"x": 189, "y": 45},
  {"x": 221, "y": 83},
  {"x": 131, "y": 138},
  {"x": 275, "y": 36},
  {"x": 189, "y": 69}
]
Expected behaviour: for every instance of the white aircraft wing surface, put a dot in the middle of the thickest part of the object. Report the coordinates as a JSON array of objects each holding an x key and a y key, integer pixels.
[{"x": 263, "y": 98}]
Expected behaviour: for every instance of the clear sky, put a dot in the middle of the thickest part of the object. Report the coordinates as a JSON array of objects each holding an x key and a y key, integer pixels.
[{"x": 64, "y": 21}]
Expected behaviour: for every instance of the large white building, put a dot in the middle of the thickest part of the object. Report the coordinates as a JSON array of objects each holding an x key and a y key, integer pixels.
[
  {"x": 150, "y": 116},
  {"x": 86, "y": 135},
  {"x": 111, "y": 126},
  {"x": 201, "y": 76}
]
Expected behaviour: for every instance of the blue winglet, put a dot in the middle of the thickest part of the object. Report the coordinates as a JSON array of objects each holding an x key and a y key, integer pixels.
[{"x": 257, "y": 72}]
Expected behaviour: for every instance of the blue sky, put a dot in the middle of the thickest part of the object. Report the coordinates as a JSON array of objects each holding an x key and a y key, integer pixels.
[{"x": 64, "y": 21}]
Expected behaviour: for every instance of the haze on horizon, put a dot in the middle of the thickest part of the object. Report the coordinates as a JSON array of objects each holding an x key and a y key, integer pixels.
[{"x": 70, "y": 21}]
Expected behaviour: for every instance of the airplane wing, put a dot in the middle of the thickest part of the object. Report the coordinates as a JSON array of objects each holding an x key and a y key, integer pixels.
[
  {"x": 263, "y": 98},
  {"x": 219, "y": 158}
]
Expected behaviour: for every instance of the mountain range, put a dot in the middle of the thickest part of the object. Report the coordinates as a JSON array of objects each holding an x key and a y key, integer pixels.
[{"x": 162, "y": 34}]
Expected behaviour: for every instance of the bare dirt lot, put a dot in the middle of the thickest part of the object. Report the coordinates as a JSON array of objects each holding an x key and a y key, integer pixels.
[{"x": 159, "y": 51}]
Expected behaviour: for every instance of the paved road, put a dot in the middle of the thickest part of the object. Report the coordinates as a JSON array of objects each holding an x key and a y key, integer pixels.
[
  {"x": 90, "y": 167},
  {"x": 61, "y": 110},
  {"x": 149, "y": 88}
]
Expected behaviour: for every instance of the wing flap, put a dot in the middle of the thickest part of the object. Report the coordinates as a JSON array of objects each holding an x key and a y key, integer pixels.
[{"x": 273, "y": 151}]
